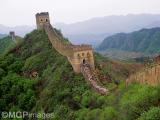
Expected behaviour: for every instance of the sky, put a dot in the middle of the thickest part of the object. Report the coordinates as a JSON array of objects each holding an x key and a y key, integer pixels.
[{"x": 22, "y": 12}]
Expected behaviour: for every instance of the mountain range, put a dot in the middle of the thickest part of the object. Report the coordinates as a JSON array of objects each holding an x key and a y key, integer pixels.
[
  {"x": 146, "y": 41},
  {"x": 19, "y": 30},
  {"x": 101, "y": 27},
  {"x": 94, "y": 30}
]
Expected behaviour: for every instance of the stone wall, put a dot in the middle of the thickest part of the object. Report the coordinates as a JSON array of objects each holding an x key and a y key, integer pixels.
[
  {"x": 76, "y": 54},
  {"x": 150, "y": 76},
  {"x": 80, "y": 56}
]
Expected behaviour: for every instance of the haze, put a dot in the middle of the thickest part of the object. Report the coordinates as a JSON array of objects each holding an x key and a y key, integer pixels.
[{"x": 21, "y": 12}]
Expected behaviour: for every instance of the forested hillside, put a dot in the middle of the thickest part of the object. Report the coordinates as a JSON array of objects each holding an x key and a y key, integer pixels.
[
  {"x": 7, "y": 43},
  {"x": 35, "y": 78},
  {"x": 143, "y": 41}
]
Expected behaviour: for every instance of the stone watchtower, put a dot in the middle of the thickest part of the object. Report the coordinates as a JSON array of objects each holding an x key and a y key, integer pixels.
[
  {"x": 81, "y": 54},
  {"x": 41, "y": 19},
  {"x": 12, "y": 35}
]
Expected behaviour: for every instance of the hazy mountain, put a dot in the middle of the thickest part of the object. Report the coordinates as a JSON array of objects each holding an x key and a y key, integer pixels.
[
  {"x": 146, "y": 41},
  {"x": 2, "y": 35},
  {"x": 110, "y": 24},
  {"x": 93, "y": 31},
  {"x": 154, "y": 24},
  {"x": 86, "y": 38},
  {"x": 19, "y": 30}
]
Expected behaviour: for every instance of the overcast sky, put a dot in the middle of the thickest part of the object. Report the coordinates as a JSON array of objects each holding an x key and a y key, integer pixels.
[{"x": 21, "y": 12}]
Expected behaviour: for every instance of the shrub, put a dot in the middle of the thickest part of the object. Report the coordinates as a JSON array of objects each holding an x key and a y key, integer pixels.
[
  {"x": 137, "y": 100},
  {"x": 152, "y": 114}
]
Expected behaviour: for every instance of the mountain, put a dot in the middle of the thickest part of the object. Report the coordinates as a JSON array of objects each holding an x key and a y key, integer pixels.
[
  {"x": 110, "y": 24},
  {"x": 35, "y": 78},
  {"x": 122, "y": 55},
  {"x": 107, "y": 25},
  {"x": 19, "y": 30},
  {"x": 94, "y": 30},
  {"x": 92, "y": 39},
  {"x": 145, "y": 41}
]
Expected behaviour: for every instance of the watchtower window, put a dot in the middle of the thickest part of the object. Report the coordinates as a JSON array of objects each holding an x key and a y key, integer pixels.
[
  {"x": 41, "y": 20},
  {"x": 78, "y": 55},
  {"x": 46, "y": 20},
  {"x": 88, "y": 54},
  {"x": 82, "y": 54}
]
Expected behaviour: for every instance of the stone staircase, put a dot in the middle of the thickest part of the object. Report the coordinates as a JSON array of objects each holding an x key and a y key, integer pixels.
[{"x": 92, "y": 79}]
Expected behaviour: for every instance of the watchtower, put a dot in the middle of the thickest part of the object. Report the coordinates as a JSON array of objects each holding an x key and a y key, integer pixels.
[
  {"x": 12, "y": 34},
  {"x": 81, "y": 54},
  {"x": 41, "y": 19}
]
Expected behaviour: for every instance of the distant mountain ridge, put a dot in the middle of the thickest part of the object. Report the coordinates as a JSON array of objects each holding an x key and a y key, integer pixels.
[
  {"x": 144, "y": 41},
  {"x": 19, "y": 30},
  {"x": 94, "y": 30},
  {"x": 107, "y": 25},
  {"x": 111, "y": 24},
  {"x": 2, "y": 35}
]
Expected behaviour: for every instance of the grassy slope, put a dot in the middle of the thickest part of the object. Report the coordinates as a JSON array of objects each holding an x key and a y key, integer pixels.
[{"x": 59, "y": 90}]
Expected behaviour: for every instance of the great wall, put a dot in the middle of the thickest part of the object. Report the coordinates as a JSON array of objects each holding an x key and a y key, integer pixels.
[
  {"x": 149, "y": 75},
  {"x": 80, "y": 56},
  {"x": 82, "y": 60}
]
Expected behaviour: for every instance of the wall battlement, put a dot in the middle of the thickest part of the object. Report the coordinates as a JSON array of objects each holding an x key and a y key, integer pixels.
[
  {"x": 42, "y": 13},
  {"x": 81, "y": 47},
  {"x": 76, "y": 54}
]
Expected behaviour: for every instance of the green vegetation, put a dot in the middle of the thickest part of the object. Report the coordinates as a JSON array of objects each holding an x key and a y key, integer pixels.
[
  {"x": 7, "y": 43},
  {"x": 152, "y": 114},
  {"x": 57, "y": 89},
  {"x": 144, "y": 41}
]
